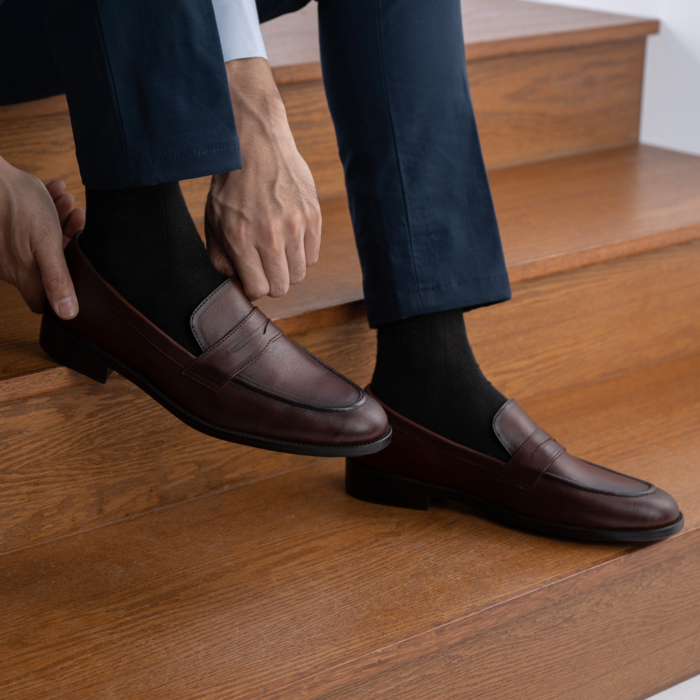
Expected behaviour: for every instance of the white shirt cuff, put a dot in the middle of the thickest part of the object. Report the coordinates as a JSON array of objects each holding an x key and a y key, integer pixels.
[{"x": 239, "y": 29}]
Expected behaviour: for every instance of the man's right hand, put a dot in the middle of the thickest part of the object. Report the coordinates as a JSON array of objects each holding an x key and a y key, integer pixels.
[
  {"x": 36, "y": 222},
  {"x": 263, "y": 221}
]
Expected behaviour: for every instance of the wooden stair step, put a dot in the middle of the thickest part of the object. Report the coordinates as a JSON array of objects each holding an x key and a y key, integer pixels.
[
  {"x": 64, "y": 465},
  {"x": 287, "y": 588},
  {"x": 546, "y": 81}
]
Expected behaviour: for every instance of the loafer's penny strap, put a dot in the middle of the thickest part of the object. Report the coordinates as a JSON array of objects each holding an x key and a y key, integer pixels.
[
  {"x": 532, "y": 450},
  {"x": 532, "y": 459},
  {"x": 238, "y": 349}
]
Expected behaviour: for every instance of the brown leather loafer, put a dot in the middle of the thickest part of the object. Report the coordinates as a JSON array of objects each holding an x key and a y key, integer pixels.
[
  {"x": 540, "y": 488},
  {"x": 251, "y": 384}
]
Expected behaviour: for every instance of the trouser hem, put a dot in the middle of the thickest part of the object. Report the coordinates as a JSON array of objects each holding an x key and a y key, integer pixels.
[
  {"x": 467, "y": 295},
  {"x": 210, "y": 161}
]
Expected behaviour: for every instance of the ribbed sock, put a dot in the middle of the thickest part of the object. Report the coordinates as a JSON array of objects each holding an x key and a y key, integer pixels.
[
  {"x": 427, "y": 372},
  {"x": 143, "y": 241}
]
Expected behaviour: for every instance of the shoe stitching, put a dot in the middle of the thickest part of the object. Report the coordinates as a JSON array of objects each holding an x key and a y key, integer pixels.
[
  {"x": 218, "y": 387},
  {"x": 210, "y": 350},
  {"x": 496, "y": 430},
  {"x": 582, "y": 487},
  {"x": 531, "y": 486},
  {"x": 524, "y": 445},
  {"x": 245, "y": 385},
  {"x": 323, "y": 364},
  {"x": 220, "y": 289},
  {"x": 612, "y": 471}
]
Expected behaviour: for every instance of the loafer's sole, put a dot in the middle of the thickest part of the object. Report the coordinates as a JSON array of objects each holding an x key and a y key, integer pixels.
[
  {"x": 82, "y": 356},
  {"x": 376, "y": 487}
]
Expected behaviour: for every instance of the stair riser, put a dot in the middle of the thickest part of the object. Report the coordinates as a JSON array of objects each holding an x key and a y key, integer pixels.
[
  {"x": 90, "y": 454},
  {"x": 529, "y": 107}
]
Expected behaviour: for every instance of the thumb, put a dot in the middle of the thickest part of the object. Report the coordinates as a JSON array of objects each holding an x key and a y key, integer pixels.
[{"x": 56, "y": 278}]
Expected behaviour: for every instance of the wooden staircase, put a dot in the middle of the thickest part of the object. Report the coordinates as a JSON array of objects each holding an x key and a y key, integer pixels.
[{"x": 140, "y": 559}]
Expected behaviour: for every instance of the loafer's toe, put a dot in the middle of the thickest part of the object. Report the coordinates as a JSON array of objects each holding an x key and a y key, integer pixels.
[
  {"x": 366, "y": 423},
  {"x": 658, "y": 510}
]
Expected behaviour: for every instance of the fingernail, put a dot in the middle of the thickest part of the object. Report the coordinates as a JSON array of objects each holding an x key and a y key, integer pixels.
[{"x": 68, "y": 307}]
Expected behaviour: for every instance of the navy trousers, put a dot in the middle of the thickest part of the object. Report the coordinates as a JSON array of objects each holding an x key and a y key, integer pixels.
[{"x": 148, "y": 97}]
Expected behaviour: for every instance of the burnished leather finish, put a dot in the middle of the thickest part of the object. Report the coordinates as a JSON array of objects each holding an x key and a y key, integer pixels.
[
  {"x": 541, "y": 487},
  {"x": 251, "y": 384}
]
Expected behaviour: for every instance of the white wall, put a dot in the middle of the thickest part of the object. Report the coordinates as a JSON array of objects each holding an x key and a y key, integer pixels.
[{"x": 671, "y": 102}]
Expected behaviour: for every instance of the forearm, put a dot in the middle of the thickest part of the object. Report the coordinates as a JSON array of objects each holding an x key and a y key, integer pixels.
[{"x": 257, "y": 104}]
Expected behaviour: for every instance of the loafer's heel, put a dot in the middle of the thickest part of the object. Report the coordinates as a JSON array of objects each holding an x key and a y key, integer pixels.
[
  {"x": 373, "y": 486},
  {"x": 71, "y": 351}
]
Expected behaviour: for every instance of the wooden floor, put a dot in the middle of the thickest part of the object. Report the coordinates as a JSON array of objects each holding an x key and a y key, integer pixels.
[
  {"x": 230, "y": 587},
  {"x": 140, "y": 559}
]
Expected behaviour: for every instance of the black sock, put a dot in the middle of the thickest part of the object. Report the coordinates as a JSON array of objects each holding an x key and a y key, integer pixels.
[
  {"x": 426, "y": 371},
  {"x": 143, "y": 241}
]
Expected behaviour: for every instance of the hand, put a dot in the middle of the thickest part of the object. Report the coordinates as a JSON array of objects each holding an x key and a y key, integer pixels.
[
  {"x": 264, "y": 221},
  {"x": 36, "y": 222}
]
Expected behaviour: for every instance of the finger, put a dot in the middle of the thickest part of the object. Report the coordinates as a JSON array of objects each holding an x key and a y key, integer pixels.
[
  {"x": 219, "y": 257},
  {"x": 56, "y": 188},
  {"x": 296, "y": 262},
  {"x": 312, "y": 240},
  {"x": 75, "y": 223},
  {"x": 250, "y": 270},
  {"x": 56, "y": 278},
  {"x": 276, "y": 270},
  {"x": 64, "y": 206}
]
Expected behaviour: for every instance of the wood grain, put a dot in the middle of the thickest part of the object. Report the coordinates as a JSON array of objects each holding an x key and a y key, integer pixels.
[
  {"x": 547, "y": 645},
  {"x": 551, "y": 104},
  {"x": 288, "y": 587},
  {"x": 62, "y": 471},
  {"x": 35, "y": 108}
]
